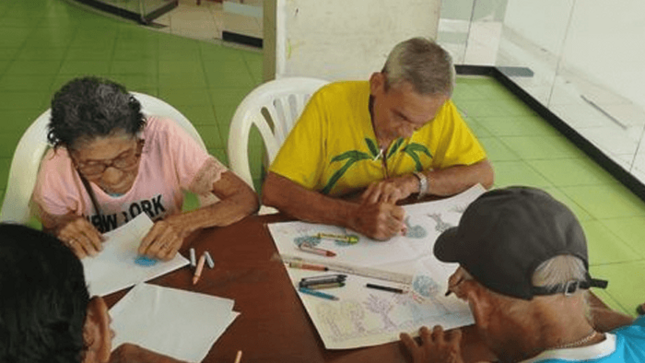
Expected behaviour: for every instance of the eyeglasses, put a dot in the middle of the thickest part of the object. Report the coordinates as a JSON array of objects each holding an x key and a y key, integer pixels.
[{"x": 123, "y": 161}]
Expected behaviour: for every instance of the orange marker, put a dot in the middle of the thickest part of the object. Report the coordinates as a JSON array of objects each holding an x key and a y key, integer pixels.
[{"x": 198, "y": 270}]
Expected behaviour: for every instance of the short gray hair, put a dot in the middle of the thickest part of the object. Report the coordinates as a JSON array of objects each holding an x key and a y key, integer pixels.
[
  {"x": 558, "y": 271},
  {"x": 422, "y": 63}
]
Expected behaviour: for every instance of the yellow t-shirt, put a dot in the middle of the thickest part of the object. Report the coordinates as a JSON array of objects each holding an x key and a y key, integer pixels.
[{"x": 333, "y": 149}]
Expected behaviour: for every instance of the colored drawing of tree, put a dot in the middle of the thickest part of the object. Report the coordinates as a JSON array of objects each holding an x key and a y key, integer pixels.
[
  {"x": 382, "y": 308},
  {"x": 413, "y": 150}
]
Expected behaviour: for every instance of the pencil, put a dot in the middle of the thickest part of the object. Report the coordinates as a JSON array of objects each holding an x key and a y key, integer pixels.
[
  {"x": 385, "y": 288},
  {"x": 306, "y": 266},
  {"x": 198, "y": 270},
  {"x": 238, "y": 357}
]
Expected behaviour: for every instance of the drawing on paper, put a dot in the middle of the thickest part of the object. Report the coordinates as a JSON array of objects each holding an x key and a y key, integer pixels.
[
  {"x": 441, "y": 226},
  {"x": 311, "y": 240},
  {"x": 382, "y": 308},
  {"x": 414, "y": 231},
  {"x": 145, "y": 261},
  {"x": 353, "y": 319}
]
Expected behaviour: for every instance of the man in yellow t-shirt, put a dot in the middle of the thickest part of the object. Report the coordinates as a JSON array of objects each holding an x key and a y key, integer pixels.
[{"x": 396, "y": 135}]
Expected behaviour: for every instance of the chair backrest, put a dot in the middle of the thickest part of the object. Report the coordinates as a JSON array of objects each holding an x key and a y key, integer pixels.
[
  {"x": 33, "y": 145},
  {"x": 273, "y": 107}
]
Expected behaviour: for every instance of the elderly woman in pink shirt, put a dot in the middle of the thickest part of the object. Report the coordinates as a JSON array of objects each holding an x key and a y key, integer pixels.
[{"x": 110, "y": 163}]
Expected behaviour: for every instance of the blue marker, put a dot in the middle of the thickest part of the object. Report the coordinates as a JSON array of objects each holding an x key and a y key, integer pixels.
[{"x": 305, "y": 290}]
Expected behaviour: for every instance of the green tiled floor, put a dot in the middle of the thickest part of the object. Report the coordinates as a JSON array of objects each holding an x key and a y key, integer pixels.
[
  {"x": 45, "y": 43},
  {"x": 526, "y": 150}
]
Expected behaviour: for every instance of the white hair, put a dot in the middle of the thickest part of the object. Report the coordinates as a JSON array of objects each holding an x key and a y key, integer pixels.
[{"x": 424, "y": 64}]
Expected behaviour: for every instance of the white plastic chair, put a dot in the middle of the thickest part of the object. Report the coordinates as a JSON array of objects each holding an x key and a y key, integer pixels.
[
  {"x": 283, "y": 101},
  {"x": 33, "y": 145}
]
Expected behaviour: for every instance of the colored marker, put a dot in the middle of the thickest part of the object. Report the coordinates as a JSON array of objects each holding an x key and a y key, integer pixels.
[
  {"x": 306, "y": 266},
  {"x": 330, "y": 280},
  {"x": 238, "y": 357},
  {"x": 325, "y": 286},
  {"x": 385, "y": 288},
  {"x": 307, "y": 291},
  {"x": 198, "y": 270},
  {"x": 324, "y": 277},
  {"x": 351, "y": 238},
  {"x": 209, "y": 260},
  {"x": 193, "y": 260},
  {"x": 319, "y": 251}
]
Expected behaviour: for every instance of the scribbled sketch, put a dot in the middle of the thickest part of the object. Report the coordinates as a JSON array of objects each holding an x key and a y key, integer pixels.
[
  {"x": 311, "y": 240},
  {"x": 381, "y": 307},
  {"x": 416, "y": 231},
  {"x": 441, "y": 226},
  {"x": 425, "y": 288},
  {"x": 353, "y": 311},
  {"x": 329, "y": 316}
]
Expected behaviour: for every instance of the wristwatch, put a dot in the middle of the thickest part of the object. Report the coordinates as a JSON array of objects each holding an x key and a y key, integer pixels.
[{"x": 423, "y": 184}]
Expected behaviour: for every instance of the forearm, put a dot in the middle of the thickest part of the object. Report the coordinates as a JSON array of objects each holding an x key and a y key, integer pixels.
[
  {"x": 301, "y": 203},
  {"x": 458, "y": 178},
  {"x": 220, "y": 214}
]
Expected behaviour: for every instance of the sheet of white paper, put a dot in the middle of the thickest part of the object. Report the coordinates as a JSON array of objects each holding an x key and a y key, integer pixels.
[
  {"x": 364, "y": 317},
  {"x": 177, "y": 323},
  {"x": 115, "y": 268}
]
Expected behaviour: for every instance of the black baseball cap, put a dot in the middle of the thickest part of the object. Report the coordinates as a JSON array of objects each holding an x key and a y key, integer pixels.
[{"x": 505, "y": 234}]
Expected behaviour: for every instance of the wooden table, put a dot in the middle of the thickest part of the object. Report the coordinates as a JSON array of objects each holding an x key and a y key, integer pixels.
[{"x": 274, "y": 325}]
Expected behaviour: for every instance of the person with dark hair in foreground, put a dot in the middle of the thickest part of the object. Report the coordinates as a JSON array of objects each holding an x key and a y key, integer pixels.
[
  {"x": 524, "y": 273},
  {"x": 110, "y": 163},
  {"x": 46, "y": 313}
]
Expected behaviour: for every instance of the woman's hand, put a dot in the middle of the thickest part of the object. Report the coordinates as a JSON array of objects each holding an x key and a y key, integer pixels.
[
  {"x": 80, "y": 236},
  {"x": 164, "y": 239}
]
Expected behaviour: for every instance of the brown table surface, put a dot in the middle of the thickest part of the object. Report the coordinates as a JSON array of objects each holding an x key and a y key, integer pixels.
[{"x": 274, "y": 325}]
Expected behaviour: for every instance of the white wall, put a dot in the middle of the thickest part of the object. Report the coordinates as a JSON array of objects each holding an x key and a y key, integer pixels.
[
  {"x": 346, "y": 39},
  {"x": 603, "y": 38}
]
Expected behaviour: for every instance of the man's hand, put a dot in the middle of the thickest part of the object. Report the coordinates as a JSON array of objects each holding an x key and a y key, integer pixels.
[
  {"x": 390, "y": 190},
  {"x": 437, "y": 346},
  {"x": 378, "y": 221},
  {"x": 163, "y": 241},
  {"x": 80, "y": 236},
  {"x": 131, "y": 353}
]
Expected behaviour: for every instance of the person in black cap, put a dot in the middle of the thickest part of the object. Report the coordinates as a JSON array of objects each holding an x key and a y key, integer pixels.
[{"x": 524, "y": 272}]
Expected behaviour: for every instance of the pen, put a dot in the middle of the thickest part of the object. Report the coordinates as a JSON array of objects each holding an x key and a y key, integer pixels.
[
  {"x": 198, "y": 270},
  {"x": 238, "y": 356},
  {"x": 305, "y": 290},
  {"x": 385, "y": 288},
  {"x": 306, "y": 266},
  {"x": 319, "y": 251}
]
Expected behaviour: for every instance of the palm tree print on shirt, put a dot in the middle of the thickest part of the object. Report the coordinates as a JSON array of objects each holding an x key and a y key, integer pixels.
[{"x": 353, "y": 156}]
